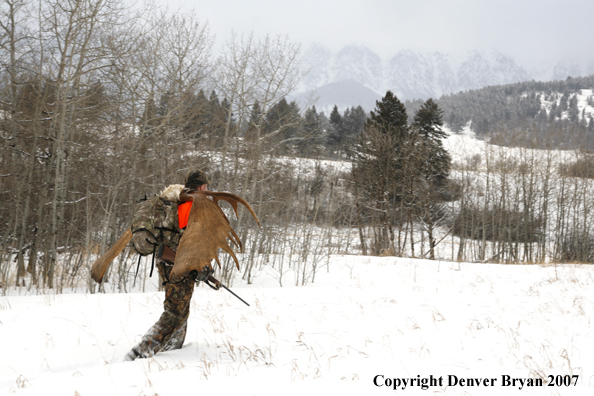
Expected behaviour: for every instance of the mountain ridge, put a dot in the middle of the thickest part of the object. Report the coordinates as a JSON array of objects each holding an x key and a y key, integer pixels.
[{"x": 355, "y": 70}]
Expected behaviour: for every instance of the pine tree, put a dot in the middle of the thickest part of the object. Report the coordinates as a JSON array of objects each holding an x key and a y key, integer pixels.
[
  {"x": 427, "y": 123},
  {"x": 335, "y": 135},
  {"x": 255, "y": 123},
  {"x": 389, "y": 116},
  {"x": 353, "y": 123},
  {"x": 282, "y": 123},
  {"x": 164, "y": 105},
  {"x": 214, "y": 100},
  {"x": 573, "y": 111},
  {"x": 335, "y": 117},
  {"x": 553, "y": 112},
  {"x": 379, "y": 161},
  {"x": 196, "y": 115},
  {"x": 431, "y": 170},
  {"x": 310, "y": 134},
  {"x": 215, "y": 122}
]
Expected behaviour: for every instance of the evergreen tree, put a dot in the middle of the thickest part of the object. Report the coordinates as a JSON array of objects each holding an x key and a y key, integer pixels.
[
  {"x": 335, "y": 117},
  {"x": 311, "y": 134},
  {"x": 389, "y": 116},
  {"x": 214, "y": 127},
  {"x": 214, "y": 101},
  {"x": 542, "y": 118},
  {"x": 344, "y": 130},
  {"x": 456, "y": 122},
  {"x": 428, "y": 121},
  {"x": 353, "y": 123},
  {"x": 573, "y": 112},
  {"x": 149, "y": 116},
  {"x": 282, "y": 122},
  {"x": 553, "y": 112},
  {"x": 427, "y": 179},
  {"x": 164, "y": 105},
  {"x": 379, "y": 161},
  {"x": 335, "y": 135},
  {"x": 563, "y": 102},
  {"x": 255, "y": 123}
]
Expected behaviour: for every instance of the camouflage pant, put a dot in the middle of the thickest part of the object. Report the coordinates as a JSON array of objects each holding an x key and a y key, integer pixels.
[{"x": 170, "y": 330}]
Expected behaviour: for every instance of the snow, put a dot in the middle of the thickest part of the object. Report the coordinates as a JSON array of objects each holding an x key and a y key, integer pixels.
[
  {"x": 463, "y": 145},
  {"x": 582, "y": 95},
  {"x": 584, "y": 108},
  {"x": 363, "y": 317}
]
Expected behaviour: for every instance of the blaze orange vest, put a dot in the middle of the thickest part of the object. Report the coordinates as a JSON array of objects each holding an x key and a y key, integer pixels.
[{"x": 183, "y": 213}]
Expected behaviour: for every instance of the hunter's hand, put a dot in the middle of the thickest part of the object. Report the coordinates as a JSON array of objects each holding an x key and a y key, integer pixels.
[{"x": 215, "y": 284}]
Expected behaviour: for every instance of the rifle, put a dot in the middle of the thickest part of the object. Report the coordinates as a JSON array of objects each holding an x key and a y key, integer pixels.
[
  {"x": 165, "y": 253},
  {"x": 216, "y": 285}
]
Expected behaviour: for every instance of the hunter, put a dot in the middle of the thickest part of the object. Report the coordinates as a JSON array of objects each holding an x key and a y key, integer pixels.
[{"x": 169, "y": 332}]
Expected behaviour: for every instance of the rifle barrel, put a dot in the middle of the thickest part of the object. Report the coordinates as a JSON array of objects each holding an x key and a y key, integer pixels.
[{"x": 230, "y": 291}]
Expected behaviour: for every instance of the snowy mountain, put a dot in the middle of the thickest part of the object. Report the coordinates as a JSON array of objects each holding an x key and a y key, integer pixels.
[
  {"x": 565, "y": 69},
  {"x": 492, "y": 68},
  {"x": 411, "y": 74},
  {"x": 344, "y": 94},
  {"x": 359, "y": 63}
]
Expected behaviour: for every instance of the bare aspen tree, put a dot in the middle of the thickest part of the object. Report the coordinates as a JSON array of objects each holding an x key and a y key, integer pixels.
[
  {"x": 251, "y": 71},
  {"x": 236, "y": 82},
  {"x": 254, "y": 75},
  {"x": 73, "y": 28},
  {"x": 13, "y": 47}
]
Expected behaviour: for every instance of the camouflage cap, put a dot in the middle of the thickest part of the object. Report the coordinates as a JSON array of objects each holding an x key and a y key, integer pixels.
[{"x": 196, "y": 179}]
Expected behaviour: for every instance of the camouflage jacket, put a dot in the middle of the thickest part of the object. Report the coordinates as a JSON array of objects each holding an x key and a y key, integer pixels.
[{"x": 156, "y": 220}]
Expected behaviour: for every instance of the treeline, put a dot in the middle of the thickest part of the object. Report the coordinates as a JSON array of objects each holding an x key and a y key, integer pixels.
[
  {"x": 549, "y": 109},
  {"x": 101, "y": 105},
  {"x": 506, "y": 203},
  {"x": 523, "y": 205}
]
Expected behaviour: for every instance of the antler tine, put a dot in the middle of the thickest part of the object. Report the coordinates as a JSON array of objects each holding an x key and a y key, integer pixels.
[
  {"x": 235, "y": 239},
  {"x": 233, "y": 200},
  {"x": 216, "y": 201},
  {"x": 228, "y": 249}
]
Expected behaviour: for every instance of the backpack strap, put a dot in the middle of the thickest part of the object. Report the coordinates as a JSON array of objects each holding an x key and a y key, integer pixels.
[
  {"x": 137, "y": 268},
  {"x": 153, "y": 261}
]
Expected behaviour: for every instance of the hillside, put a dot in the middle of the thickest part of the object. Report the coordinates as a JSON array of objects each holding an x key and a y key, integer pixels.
[{"x": 556, "y": 114}]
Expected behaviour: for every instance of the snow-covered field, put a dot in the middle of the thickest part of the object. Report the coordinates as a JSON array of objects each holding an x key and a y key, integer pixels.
[
  {"x": 366, "y": 326},
  {"x": 364, "y": 317}
]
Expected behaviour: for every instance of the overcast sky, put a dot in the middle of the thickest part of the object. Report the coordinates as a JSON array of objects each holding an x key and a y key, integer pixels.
[{"x": 531, "y": 31}]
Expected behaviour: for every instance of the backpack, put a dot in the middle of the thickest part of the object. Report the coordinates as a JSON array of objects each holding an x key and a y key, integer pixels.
[{"x": 155, "y": 219}]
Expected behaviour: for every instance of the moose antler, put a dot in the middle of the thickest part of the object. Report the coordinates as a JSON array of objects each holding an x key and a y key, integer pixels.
[
  {"x": 100, "y": 266},
  {"x": 208, "y": 229}
]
